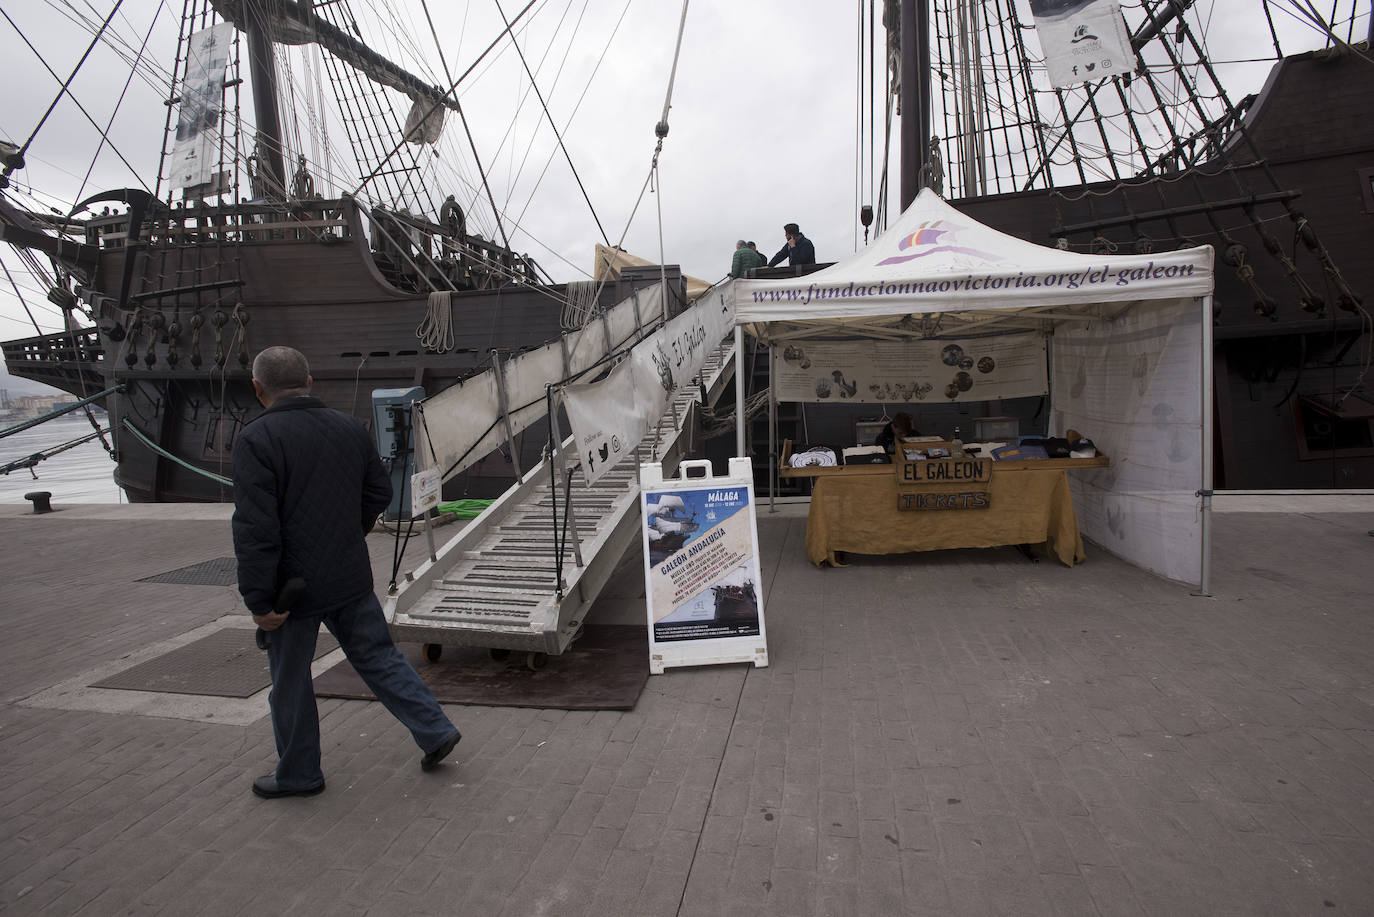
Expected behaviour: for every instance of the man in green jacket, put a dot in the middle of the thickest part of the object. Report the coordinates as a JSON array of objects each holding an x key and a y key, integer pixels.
[{"x": 745, "y": 258}]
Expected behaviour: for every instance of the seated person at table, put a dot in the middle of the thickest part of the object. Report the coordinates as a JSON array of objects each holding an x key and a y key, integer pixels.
[{"x": 896, "y": 428}]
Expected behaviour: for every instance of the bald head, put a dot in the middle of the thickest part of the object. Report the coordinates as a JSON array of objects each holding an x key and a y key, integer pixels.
[{"x": 280, "y": 372}]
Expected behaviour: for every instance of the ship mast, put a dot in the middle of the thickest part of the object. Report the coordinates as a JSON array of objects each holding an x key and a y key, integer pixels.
[
  {"x": 915, "y": 73},
  {"x": 271, "y": 163},
  {"x": 265, "y": 22}
]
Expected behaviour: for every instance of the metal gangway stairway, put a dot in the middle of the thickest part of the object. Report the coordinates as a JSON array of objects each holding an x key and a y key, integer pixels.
[{"x": 497, "y": 585}]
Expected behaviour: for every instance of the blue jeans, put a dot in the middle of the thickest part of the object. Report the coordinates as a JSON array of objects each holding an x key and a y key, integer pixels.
[{"x": 362, "y": 633}]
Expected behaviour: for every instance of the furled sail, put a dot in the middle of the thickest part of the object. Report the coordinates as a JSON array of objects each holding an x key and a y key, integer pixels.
[{"x": 425, "y": 123}]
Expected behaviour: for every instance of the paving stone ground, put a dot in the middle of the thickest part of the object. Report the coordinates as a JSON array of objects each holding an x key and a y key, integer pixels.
[{"x": 955, "y": 733}]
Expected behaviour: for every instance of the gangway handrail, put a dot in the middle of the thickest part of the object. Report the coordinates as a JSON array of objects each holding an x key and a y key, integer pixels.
[{"x": 414, "y": 584}]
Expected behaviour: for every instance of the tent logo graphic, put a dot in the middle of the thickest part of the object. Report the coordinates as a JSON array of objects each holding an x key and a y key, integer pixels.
[{"x": 931, "y": 237}]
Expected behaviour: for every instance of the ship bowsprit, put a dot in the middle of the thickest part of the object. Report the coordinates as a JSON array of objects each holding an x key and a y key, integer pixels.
[{"x": 497, "y": 583}]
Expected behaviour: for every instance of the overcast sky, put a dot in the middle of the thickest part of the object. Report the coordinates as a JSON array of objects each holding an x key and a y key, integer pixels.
[{"x": 762, "y": 124}]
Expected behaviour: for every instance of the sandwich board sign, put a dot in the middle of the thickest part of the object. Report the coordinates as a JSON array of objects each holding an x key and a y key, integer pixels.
[{"x": 701, "y": 566}]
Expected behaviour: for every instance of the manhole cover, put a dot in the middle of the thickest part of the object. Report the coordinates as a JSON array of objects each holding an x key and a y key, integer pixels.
[
  {"x": 222, "y": 571},
  {"x": 226, "y": 663}
]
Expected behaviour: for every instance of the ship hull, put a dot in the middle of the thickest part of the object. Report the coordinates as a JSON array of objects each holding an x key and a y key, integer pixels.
[
  {"x": 205, "y": 292},
  {"x": 1311, "y": 126}
]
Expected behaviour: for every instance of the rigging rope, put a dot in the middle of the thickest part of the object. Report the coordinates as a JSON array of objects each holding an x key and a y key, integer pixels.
[
  {"x": 558, "y": 136},
  {"x": 22, "y": 301},
  {"x": 31, "y": 461},
  {"x": 67, "y": 83},
  {"x": 8, "y": 166},
  {"x": 17, "y": 428},
  {"x": 661, "y": 131},
  {"x": 153, "y": 75},
  {"x": 104, "y": 134},
  {"x": 556, "y": 33},
  {"x": 577, "y": 107},
  {"x": 467, "y": 130},
  {"x": 434, "y": 105}
]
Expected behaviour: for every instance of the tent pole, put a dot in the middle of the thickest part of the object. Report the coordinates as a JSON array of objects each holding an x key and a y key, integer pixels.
[
  {"x": 739, "y": 391},
  {"x": 772, "y": 434},
  {"x": 1206, "y": 493}
]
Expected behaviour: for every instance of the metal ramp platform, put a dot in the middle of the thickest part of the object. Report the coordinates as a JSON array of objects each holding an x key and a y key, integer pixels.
[{"x": 496, "y": 583}]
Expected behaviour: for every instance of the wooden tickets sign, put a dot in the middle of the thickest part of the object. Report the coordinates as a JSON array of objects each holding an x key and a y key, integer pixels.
[
  {"x": 969, "y": 476},
  {"x": 934, "y": 499}
]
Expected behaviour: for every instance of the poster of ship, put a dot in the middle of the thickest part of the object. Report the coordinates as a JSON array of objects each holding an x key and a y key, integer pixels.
[{"x": 702, "y": 564}]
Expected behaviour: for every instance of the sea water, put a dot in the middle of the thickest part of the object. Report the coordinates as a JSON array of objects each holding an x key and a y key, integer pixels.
[{"x": 82, "y": 474}]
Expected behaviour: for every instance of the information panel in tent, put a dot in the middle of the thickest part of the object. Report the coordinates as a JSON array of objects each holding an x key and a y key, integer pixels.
[{"x": 971, "y": 369}]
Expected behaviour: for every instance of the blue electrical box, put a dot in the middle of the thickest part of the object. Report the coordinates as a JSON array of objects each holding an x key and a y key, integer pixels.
[{"x": 396, "y": 442}]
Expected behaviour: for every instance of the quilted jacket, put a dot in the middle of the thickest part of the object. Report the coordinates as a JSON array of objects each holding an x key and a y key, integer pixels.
[{"x": 308, "y": 485}]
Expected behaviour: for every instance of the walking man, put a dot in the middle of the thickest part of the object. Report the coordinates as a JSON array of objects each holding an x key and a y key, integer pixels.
[{"x": 308, "y": 486}]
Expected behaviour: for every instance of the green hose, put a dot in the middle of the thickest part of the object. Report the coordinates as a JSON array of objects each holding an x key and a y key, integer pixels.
[{"x": 465, "y": 509}]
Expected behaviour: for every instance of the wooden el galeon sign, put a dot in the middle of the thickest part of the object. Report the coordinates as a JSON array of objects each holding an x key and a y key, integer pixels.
[{"x": 915, "y": 477}]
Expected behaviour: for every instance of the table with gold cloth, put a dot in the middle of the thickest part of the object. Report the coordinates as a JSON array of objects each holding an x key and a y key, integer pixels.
[{"x": 854, "y": 509}]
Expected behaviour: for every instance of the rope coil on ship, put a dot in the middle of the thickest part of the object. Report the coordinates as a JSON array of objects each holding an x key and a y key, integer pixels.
[{"x": 435, "y": 330}]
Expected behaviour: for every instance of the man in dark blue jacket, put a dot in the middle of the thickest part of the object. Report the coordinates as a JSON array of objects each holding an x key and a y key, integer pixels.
[
  {"x": 797, "y": 249},
  {"x": 308, "y": 486}
]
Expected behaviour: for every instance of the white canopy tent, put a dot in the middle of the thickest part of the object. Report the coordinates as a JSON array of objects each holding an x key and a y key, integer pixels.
[{"x": 1128, "y": 340}]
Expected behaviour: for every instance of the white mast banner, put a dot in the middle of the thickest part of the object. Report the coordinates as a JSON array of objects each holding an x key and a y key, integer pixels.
[
  {"x": 1083, "y": 40},
  {"x": 202, "y": 103}
]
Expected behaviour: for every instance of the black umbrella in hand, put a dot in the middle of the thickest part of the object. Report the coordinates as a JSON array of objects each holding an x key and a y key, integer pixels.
[{"x": 286, "y": 601}]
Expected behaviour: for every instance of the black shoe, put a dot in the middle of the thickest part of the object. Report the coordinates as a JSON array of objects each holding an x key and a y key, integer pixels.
[
  {"x": 266, "y": 787},
  {"x": 430, "y": 761}
]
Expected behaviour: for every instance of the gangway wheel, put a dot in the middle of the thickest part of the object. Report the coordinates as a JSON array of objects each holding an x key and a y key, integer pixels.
[
  {"x": 432, "y": 651},
  {"x": 536, "y": 661}
]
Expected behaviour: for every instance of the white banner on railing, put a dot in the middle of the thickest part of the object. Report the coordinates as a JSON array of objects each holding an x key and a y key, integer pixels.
[
  {"x": 971, "y": 369},
  {"x": 202, "y": 102},
  {"x": 457, "y": 427},
  {"x": 609, "y": 418},
  {"x": 1083, "y": 40}
]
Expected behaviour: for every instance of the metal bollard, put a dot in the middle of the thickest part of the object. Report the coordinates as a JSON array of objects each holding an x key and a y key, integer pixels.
[{"x": 40, "y": 500}]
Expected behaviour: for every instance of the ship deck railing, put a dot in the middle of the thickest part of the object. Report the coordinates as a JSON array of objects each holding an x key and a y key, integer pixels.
[
  {"x": 69, "y": 360},
  {"x": 304, "y": 221}
]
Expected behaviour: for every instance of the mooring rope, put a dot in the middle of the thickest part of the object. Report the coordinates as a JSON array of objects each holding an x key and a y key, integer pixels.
[{"x": 219, "y": 479}]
